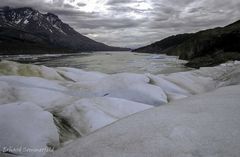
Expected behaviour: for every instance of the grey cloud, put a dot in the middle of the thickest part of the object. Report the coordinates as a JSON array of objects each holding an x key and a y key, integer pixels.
[
  {"x": 69, "y": 6},
  {"x": 107, "y": 23},
  {"x": 81, "y": 4},
  {"x": 114, "y": 2},
  {"x": 197, "y": 9},
  {"x": 123, "y": 24}
]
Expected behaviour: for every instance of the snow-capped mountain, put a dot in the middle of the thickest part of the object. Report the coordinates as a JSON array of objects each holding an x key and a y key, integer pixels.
[
  {"x": 32, "y": 20},
  {"x": 35, "y": 30}
]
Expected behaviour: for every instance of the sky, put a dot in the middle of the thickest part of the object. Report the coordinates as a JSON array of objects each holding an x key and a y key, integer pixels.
[{"x": 136, "y": 23}]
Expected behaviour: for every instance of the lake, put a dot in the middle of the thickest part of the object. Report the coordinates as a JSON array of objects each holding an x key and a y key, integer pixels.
[{"x": 107, "y": 61}]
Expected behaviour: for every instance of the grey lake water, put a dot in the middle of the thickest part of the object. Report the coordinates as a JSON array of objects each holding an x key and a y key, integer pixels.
[{"x": 107, "y": 61}]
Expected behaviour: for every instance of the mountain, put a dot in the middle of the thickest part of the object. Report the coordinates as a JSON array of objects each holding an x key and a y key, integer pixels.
[
  {"x": 26, "y": 30},
  {"x": 205, "y": 48}
]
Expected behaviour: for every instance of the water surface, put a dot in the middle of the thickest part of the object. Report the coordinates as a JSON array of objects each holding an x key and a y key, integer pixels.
[{"x": 107, "y": 62}]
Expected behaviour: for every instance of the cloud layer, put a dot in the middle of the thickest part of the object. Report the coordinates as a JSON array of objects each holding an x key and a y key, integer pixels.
[{"x": 134, "y": 23}]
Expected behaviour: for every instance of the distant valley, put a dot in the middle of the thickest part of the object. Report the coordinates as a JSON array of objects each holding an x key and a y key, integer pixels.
[{"x": 28, "y": 31}]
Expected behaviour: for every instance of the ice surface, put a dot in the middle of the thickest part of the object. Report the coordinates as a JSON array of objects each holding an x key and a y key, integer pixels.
[
  {"x": 45, "y": 93},
  {"x": 134, "y": 87},
  {"x": 82, "y": 102},
  {"x": 87, "y": 115},
  {"x": 13, "y": 68},
  {"x": 26, "y": 126},
  {"x": 79, "y": 75},
  {"x": 191, "y": 82},
  {"x": 203, "y": 125},
  {"x": 172, "y": 90}
]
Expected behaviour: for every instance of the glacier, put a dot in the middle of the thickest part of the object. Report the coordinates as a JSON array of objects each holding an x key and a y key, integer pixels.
[
  {"x": 206, "y": 125},
  {"x": 72, "y": 111}
]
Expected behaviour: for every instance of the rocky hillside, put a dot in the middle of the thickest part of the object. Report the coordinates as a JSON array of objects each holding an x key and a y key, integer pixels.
[
  {"x": 205, "y": 48},
  {"x": 25, "y": 30}
]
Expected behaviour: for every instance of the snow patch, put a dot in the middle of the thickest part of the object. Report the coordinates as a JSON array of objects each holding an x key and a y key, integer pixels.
[
  {"x": 59, "y": 29},
  {"x": 18, "y": 21},
  {"x": 26, "y": 21}
]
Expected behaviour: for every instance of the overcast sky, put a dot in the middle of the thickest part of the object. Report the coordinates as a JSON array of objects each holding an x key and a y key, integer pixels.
[{"x": 134, "y": 23}]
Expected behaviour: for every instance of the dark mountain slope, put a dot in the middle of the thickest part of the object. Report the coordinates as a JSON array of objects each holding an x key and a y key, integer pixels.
[
  {"x": 25, "y": 30},
  {"x": 204, "y": 48},
  {"x": 164, "y": 45}
]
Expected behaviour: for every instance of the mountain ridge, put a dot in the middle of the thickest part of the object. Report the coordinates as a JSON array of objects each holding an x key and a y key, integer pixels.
[
  {"x": 204, "y": 48},
  {"x": 26, "y": 30}
]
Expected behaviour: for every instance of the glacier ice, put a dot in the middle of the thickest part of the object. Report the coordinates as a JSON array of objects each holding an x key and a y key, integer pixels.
[
  {"x": 203, "y": 125},
  {"x": 78, "y": 103},
  {"x": 94, "y": 113},
  {"x": 26, "y": 126}
]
